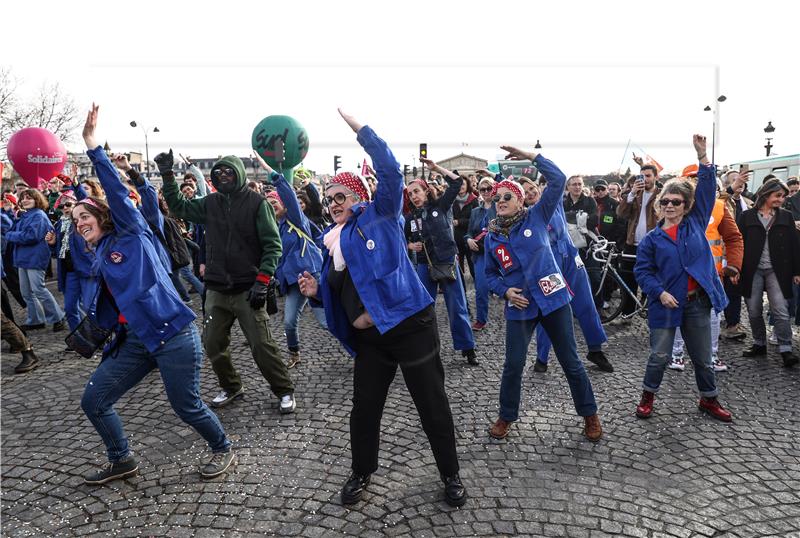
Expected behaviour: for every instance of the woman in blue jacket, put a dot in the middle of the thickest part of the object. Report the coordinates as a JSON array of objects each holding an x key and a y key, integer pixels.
[
  {"x": 379, "y": 310},
  {"x": 429, "y": 232},
  {"x": 476, "y": 232},
  {"x": 521, "y": 268},
  {"x": 31, "y": 258},
  {"x": 675, "y": 268},
  {"x": 152, "y": 327},
  {"x": 299, "y": 254}
]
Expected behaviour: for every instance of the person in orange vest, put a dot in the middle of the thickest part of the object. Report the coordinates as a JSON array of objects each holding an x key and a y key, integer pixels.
[{"x": 727, "y": 248}]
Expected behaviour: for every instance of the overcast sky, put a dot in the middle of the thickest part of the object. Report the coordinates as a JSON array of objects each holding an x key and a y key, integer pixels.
[{"x": 581, "y": 77}]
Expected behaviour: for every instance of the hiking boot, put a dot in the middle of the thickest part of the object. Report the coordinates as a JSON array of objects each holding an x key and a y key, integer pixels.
[
  {"x": 715, "y": 409},
  {"x": 472, "y": 358},
  {"x": 218, "y": 464},
  {"x": 676, "y": 363},
  {"x": 599, "y": 358},
  {"x": 478, "y": 326},
  {"x": 645, "y": 407},
  {"x": 353, "y": 489},
  {"x": 60, "y": 325},
  {"x": 287, "y": 404},
  {"x": 539, "y": 366},
  {"x": 500, "y": 428},
  {"x": 224, "y": 397},
  {"x": 592, "y": 429},
  {"x": 455, "y": 494},
  {"x": 113, "y": 470},
  {"x": 28, "y": 363},
  {"x": 789, "y": 359},
  {"x": 294, "y": 359},
  {"x": 755, "y": 351},
  {"x": 734, "y": 332}
]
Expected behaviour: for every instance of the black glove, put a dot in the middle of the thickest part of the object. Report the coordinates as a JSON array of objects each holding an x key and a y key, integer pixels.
[
  {"x": 257, "y": 296},
  {"x": 164, "y": 161}
]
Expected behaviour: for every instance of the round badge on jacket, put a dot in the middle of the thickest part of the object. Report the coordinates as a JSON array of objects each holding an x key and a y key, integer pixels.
[
  {"x": 435, "y": 214},
  {"x": 527, "y": 233},
  {"x": 370, "y": 244}
]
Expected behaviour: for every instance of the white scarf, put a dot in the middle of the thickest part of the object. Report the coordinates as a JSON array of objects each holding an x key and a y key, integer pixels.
[{"x": 332, "y": 242}]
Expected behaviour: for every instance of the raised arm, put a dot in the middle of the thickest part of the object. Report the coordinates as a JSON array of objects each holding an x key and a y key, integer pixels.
[
  {"x": 706, "y": 192},
  {"x": 389, "y": 195},
  {"x": 294, "y": 214},
  {"x": 150, "y": 211},
  {"x": 454, "y": 182},
  {"x": 179, "y": 207}
]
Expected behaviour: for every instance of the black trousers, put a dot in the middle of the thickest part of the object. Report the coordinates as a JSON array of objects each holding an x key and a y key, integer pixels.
[
  {"x": 413, "y": 345},
  {"x": 626, "y": 272}
]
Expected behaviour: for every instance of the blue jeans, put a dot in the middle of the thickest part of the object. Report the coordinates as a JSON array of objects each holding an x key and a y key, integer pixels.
[
  {"x": 179, "y": 362},
  {"x": 456, "y": 303},
  {"x": 78, "y": 295},
  {"x": 481, "y": 289},
  {"x": 558, "y": 325},
  {"x": 764, "y": 280},
  {"x": 696, "y": 331},
  {"x": 42, "y": 307},
  {"x": 292, "y": 308},
  {"x": 178, "y": 285},
  {"x": 188, "y": 276}
]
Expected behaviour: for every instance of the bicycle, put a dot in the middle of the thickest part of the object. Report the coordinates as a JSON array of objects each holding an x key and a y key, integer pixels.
[{"x": 612, "y": 289}]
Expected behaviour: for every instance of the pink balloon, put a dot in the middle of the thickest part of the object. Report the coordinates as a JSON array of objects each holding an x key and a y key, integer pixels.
[{"x": 36, "y": 154}]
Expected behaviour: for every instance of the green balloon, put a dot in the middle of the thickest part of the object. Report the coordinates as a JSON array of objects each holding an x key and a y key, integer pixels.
[{"x": 286, "y": 128}]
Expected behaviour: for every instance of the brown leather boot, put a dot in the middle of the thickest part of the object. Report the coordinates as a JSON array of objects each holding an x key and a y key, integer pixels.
[
  {"x": 592, "y": 429},
  {"x": 500, "y": 428}
]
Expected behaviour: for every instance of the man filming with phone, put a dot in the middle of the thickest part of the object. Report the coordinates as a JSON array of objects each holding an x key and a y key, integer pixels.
[{"x": 637, "y": 205}]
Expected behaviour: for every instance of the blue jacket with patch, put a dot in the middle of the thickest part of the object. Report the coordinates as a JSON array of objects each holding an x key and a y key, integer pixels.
[
  {"x": 130, "y": 268},
  {"x": 300, "y": 253},
  {"x": 31, "y": 251},
  {"x": 666, "y": 265},
  {"x": 374, "y": 250},
  {"x": 524, "y": 259}
]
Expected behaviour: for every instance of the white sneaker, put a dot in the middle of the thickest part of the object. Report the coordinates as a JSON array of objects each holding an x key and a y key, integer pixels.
[
  {"x": 773, "y": 340},
  {"x": 224, "y": 397},
  {"x": 676, "y": 364},
  {"x": 287, "y": 404},
  {"x": 718, "y": 365}
]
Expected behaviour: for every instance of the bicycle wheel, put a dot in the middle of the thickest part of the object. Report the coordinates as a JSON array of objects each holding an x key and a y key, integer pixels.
[{"x": 610, "y": 305}]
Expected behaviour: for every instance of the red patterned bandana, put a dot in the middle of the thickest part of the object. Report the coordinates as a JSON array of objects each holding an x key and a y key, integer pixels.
[
  {"x": 422, "y": 183},
  {"x": 513, "y": 186},
  {"x": 352, "y": 182}
]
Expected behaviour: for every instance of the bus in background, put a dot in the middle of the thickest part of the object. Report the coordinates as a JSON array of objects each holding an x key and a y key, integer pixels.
[{"x": 781, "y": 166}]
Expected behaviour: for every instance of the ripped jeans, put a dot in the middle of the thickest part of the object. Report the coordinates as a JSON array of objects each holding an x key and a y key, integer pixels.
[{"x": 696, "y": 330}]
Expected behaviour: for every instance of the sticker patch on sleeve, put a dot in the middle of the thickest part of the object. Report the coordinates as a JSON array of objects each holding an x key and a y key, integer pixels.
[
  {"x": 552, "y": 283},
  {"x": 116, "y": 257},
  {"x": 504, "y": 257}
]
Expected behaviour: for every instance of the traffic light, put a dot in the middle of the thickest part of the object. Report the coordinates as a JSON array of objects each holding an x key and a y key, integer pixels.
[
  {"x": 423, "y": 151},
  {"x": 405, "y": 170},
  {"x": 337, "y": 163},
  {"x": 414, "y": 172}
]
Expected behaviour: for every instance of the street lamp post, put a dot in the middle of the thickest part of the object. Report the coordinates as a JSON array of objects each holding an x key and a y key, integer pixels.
[
  {"x": 146, "y": 145},
  {"x": 769, "y": 129},
  {"x": 720, "y": 99},
  {"x": 538, "y": 145}
]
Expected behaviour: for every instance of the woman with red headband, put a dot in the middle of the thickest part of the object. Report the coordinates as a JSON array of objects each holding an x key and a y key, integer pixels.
[
  {"x": 429, "y": 232},
  {"x": 378, "y": 309},
  {"x": 520, "y": 267}
]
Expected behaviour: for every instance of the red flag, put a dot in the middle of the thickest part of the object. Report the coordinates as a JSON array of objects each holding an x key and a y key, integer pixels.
[{"x": 366, "y": 170}]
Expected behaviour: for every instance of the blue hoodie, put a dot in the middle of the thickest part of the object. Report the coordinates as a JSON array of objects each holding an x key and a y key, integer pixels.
[{"x": 27, "y": 237}]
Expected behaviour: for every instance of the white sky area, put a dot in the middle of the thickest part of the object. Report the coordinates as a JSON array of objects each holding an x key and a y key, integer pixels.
[{"x": 581, "y": 77}]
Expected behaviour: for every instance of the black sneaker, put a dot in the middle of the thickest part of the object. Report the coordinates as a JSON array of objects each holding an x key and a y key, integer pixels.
[
  {"x": 539, "y": 366},
  {"x": 454, "y": 492},
  {"x": 218, "y": 464},
  {"x": 225, "y": 397},
  {"x": 60, "y": 325},
  {"x": 28, "y": 363},
  {"x": 472, "y": 358},
  {"x": 789, "y": 360},
  {"x": 755, "y": 351},
  {"x": 111, "y": 471},
  {"x": 354, "y": 488},
  {"x": 599, "y": 358}
]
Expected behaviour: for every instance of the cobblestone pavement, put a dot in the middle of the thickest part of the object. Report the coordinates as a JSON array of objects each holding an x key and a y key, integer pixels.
[{"x": 679, "y": 473}]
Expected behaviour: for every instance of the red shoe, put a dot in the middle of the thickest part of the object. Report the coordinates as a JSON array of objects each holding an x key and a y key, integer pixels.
[
  {"x": 645, "y": 407},
  {"x": 477, "y": 326},
  {"x": 715, "y": 409}
]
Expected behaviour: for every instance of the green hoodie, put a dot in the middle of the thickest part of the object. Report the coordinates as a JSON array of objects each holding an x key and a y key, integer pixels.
[{"x": 194, "y": 210}]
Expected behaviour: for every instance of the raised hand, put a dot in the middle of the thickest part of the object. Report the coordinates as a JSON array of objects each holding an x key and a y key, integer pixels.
[
  {"x": 164, "y": 161},
  {"x": 638, "y": 160},
  {"x": 699, "y": 142},
  {"x": 120, "y": 160},
  {"x": 351, "y": 121},
  {"x": 516, "y": 154},
  {"x": 90, "y": 126},
  {"x": 262, "y": 163}
]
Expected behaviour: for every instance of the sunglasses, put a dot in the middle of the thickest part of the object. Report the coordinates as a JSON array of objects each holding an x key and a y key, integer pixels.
[
  {"x": 506, "y": 197},
  {"x": 339, "y": 198},
  {"x": 67, "y": 204},
  {"x": 217, "y": 173},
  {"x": 599, "y": 188},
  {"x": 485, "y": 189},
  {"x": 666, "y": 202}
]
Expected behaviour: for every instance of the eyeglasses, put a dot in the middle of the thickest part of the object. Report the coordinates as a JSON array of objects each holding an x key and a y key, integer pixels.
[
  {"x": 220, "y": 171},
  {"x": 664, "y": 202},
  {"x": 339, "y": 198},
  {"x": 506, "y": 197},
  {"x": 599, "y": 188},
  {"x": 485, "y": 189},
  {"x": 67, "y": 204}
]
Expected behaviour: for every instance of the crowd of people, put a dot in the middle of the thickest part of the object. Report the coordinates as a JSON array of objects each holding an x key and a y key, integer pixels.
[{"x": 369, "y": 256}]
